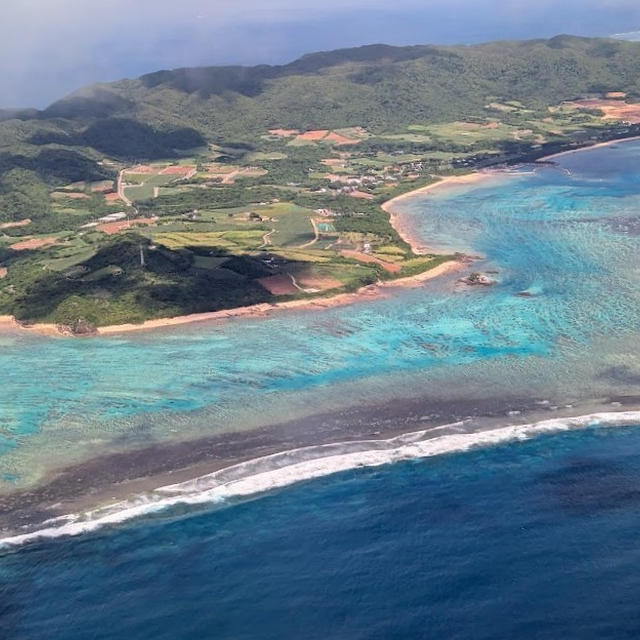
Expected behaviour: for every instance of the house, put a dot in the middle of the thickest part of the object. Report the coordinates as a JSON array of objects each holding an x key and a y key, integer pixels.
[{"x": 113, "y": 217}]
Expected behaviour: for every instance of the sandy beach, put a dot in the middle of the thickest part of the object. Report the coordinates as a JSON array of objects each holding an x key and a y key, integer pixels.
[
  {"x": 404, "y": 229},
  {"x": 375, "y": 290},
  {"x": 599, "y": 145},
  {"x": 9, "y": 323},
  {"x": 113, "y": 477},
  {"x": 407, "y": 233},
  {"x": 399, "y": 224},
  {"x": 259, "y": 310}
]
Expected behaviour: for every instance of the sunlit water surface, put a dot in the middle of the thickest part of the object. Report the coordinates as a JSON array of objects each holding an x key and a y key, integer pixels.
[{"x": 529, "y": 540}]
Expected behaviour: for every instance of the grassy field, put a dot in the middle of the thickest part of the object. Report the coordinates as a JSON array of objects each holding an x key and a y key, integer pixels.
[
  {"x": 261, "y": 156},
  {"x": 148, "y": 184},
  {"x": 238, "y": 240},
  {"x": 291, "y": 223}
]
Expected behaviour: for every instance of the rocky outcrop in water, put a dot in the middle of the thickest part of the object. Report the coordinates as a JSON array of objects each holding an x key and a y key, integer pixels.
[
  {"x": 79, "y": 327},
  {"x": 478, "y": 279}
]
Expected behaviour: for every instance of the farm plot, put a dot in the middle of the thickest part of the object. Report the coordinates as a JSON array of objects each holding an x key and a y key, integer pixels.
[
  {"x": 233, "y": 241},
  {"x": 147, "y": 188}
]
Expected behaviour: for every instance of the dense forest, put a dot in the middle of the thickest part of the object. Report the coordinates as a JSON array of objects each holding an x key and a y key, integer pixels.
[{"x": 379, "y": 87}]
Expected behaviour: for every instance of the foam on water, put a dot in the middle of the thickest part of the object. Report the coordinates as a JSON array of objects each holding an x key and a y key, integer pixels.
[{"x": 283, "y": 469}]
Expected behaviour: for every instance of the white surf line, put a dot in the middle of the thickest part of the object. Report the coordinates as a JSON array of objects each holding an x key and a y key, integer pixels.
[{"x": 282, "y": 469}]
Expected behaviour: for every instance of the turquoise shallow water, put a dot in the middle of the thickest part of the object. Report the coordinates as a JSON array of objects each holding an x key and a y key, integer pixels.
[
  {"x": 568, "y": 235},
  {"x": 534, "y": 539}
]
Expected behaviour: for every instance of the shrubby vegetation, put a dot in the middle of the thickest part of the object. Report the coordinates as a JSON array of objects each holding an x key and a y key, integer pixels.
[
  {"x": 215, "y": 237},
  {"x": 113, "y": 287}
]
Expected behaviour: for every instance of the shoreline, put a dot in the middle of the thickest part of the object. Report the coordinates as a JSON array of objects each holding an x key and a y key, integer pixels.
[
  {"x": 90, "y": 488},
  {"x": 221, "y": 469},
  {"x": 339, "y": 299},
  {"x": 477, "y": 175},
  {"x": 404, "y": 230},
  {"x": 8, "y": 322},
  {"x": 366, "y": 292},
  {"x": 597, "y": 145},
  {"x": 262, "y": 310}
]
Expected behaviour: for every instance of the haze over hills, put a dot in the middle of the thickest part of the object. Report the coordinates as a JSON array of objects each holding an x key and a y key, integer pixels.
[
  {"x": 378, "y": 87},
  {"x": 632, "y": 36},
  {"x": 222, "y": 165}
]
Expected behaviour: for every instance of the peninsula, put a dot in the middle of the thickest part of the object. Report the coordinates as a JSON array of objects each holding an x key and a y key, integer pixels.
[{"x": 116, "y": 212}]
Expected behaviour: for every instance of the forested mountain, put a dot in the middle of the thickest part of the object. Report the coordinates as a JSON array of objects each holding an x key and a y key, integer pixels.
[{"x": 379, "y": 87}]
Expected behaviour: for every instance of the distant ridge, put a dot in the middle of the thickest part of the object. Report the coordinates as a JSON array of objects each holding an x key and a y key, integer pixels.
[{"x": 380, "y": 87}]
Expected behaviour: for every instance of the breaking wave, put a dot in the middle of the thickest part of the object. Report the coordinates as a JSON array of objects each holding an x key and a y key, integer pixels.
[{"x": 282, "y": 469}]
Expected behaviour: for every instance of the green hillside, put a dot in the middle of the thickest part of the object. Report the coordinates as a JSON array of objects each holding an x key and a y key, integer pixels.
[
  {"x": 378, "y": 87},
  {"x": 258, "y": 182}
]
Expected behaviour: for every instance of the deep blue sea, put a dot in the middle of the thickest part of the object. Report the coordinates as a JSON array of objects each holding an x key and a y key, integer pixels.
[{"x": 529, "y": 540}]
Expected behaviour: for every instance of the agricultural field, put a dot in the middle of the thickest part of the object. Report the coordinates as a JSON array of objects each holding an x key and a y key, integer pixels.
[{"x": 144, "y": 181}]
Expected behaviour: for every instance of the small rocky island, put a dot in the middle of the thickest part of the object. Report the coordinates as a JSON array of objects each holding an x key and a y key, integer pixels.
[{"x": 475, "y": 279}]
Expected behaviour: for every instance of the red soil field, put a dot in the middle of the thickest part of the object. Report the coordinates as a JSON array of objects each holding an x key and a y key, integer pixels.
[
  {"x": 364, "y": 257},
  {"x": 3, "y": 272},
  {"x": 114, "y": 227},
  {"x": 111, "y": 197},
  {"x": 279, "y": 285},
  {"x": 177, "y": 171},
  {"x": 33, "y": 243},
  {"x": 338, "y": 139},
  {"x": 612, "y": 109},
  {"x": 323, "y": 283},
  {"x": 314, "y": 136}
]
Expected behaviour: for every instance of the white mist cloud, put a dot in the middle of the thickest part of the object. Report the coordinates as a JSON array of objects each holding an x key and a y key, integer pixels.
[
  {"x": 49, "y": 47},
  {"x": 57, "y": 43}
]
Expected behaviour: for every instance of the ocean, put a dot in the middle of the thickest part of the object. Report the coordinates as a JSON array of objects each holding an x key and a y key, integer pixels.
[
  {"x": 529, "y": 540},
  {"x": 499, "y": 516}
]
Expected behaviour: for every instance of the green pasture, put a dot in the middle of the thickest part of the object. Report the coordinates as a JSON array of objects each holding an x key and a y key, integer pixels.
[
  {"x": 238, "y": 240},
  {"x": 145, "y": 191}
]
